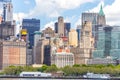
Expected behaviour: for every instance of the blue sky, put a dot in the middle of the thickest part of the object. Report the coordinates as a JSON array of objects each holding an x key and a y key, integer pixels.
[{"x": 49, "y": 10}]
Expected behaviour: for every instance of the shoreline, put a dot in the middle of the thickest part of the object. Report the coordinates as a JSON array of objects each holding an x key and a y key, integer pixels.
[{"x": 62, "y": 77}]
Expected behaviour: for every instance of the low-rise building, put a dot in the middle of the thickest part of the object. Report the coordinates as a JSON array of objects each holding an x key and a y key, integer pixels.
[{"x": 62, "y": 59}]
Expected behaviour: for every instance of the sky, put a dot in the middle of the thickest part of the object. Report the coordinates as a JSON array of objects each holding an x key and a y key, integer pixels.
[{"x": 48, "y": 11}]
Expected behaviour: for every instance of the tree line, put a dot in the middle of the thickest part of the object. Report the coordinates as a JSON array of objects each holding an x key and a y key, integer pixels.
[{"x": 75, "y": 70}]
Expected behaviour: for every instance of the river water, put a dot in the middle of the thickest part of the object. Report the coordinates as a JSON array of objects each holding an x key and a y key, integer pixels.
[{"x": 36, "y": 79}]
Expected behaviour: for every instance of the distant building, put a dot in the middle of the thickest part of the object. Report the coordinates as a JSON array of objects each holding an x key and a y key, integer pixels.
[
  {"x": 39, "y": 57},
  {"x": 47, "y": 55},
  {"x": 8, "y": 12},
  {"x": 67, "y": 28},
  {"x": 79, "y": 57},
  {"x": 101, "y": 17},
  {"x": 48, "y": 32},
  {"x": 73, "y": 38},
  {"x": 36, "y": 49},
  {"x": 6, "y": 30},
  {"x": 108, "y": 43},
  {"x": 97, "y": 19},
  {"x": 104, "y": 61},
  {"x": 31, "y": 25},
  {"x": 12, "y": 53},
  {"x": 86, "y": 40},
  {"x": 61, "y": 27},
  {"x": 62, "y": 59},
  {"x": 78, "y": 32}
]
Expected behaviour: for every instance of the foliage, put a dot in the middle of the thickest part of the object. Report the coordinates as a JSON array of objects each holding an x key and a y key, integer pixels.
[{"x": 75, "y": 70}]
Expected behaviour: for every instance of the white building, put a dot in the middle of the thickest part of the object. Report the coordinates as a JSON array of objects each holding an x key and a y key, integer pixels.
[{"x": 62, "y": 59}]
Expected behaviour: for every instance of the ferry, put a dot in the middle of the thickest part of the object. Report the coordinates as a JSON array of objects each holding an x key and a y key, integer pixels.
[
  {"x": 35, "y": 74},
  {"x": 98, "y": 76}
]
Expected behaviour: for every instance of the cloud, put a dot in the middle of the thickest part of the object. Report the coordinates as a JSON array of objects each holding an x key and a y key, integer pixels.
[
  {"x": 27, "y": 2},
  {"x": 50, "y": 24},
  {"x": 53, "y": 8}
]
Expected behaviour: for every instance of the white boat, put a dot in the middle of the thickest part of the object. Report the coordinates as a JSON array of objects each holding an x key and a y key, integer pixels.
[
  {"x": 92, "y": 75},
  {"x": 35, "y": 74}
]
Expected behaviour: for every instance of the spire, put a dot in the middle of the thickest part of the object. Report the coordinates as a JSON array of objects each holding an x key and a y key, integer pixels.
[{"x": 101, "y": 13}]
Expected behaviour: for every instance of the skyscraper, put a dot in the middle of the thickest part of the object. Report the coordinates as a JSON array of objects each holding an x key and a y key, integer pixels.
[
  {"x": 31, "y": 25},
  {"x": 61, "y": 27},
  {"x": 8, "y": 12},
  {"x": 6, "y": 30},
  {"x": 78, "y": 32},
  {"x": 86, "y": 40},
  {"x": 97, "y": 19},
  {"x": 47, "y": 55},
  {"x": 67, "y": 28},
  {"x": 108, "y": 43},
  {"x": 101, "y": 17},
  {"x": 73, "y": 38}
]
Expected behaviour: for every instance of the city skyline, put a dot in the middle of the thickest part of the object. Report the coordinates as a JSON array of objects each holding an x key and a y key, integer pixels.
[{"x": 48, "y": 11}]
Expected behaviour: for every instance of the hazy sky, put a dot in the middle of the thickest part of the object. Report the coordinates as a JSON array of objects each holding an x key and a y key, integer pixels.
[{"x": 49, "y": 10}]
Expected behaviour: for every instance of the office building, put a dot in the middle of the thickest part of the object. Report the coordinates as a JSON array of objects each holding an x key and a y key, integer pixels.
[
  {"x": 101, "y": 17},
  {"x": 73, "y": 38},
  {"x": 48, "y": 32},
  {"x": 31, "y": 25},
  {"x": 62, "y": 59},
  {"x": 67, "y": 28},
  {"x": 61, "y": 27},
  {"x": 12, "y": 52},
  {"x": 97, "y": 19},
  {"x": 36, "y": 53},
  {"x": 6, "y": 30},
  {"x": 102, "y": 61},
  {"x": 86, "y": 41},
  {"x": 39, "y": 59},
  {"x": 108, "y": 43},
  {"x": 8, "y": 12},
  {"x": 47, "y": 55},
  {"x": 78, "y": 32},
  {"x": 79, "y": 57}
]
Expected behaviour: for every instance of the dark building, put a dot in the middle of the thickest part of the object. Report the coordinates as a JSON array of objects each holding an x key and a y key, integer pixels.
[
  {"x": 67, "y": 28},
  {"x": 78, "y": 32},
  {"x": 56, "y": 27},
  {"x": 6, "y": 30},
  {"x": 31, "y": 25},
  {"x": 47, "y": 55}
]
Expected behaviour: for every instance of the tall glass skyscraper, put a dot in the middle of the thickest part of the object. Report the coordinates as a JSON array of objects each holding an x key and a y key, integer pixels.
[
  {"x": 31, "y": 25},
  {"x": 108, "y": 43}
]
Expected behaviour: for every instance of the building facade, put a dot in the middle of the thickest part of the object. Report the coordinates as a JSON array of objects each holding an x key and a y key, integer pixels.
[
  {"x": 12, "y": 53},
  {"x": 108, "y": 43},
  {"x": 62, "y": 28},
  {"x": 62, "y": 59},
  {"x": 48, "y": 32},
  {"x": 8, "y": 12},
  {"x": 31, "y": 25},
  {"x": 73, "y": 38},
  {"x": 6, "y": 30},
  {"x": 86, "y": 40}
]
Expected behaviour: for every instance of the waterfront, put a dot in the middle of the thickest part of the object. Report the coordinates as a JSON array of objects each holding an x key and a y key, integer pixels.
[{"x": 36, "y": 79}]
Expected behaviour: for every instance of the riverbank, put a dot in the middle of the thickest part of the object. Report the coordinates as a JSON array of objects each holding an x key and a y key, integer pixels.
[{"x": 62, "y": 77}]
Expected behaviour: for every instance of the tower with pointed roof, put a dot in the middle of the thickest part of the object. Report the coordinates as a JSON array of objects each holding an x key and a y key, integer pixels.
[{"x": 101, "y": 17}]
